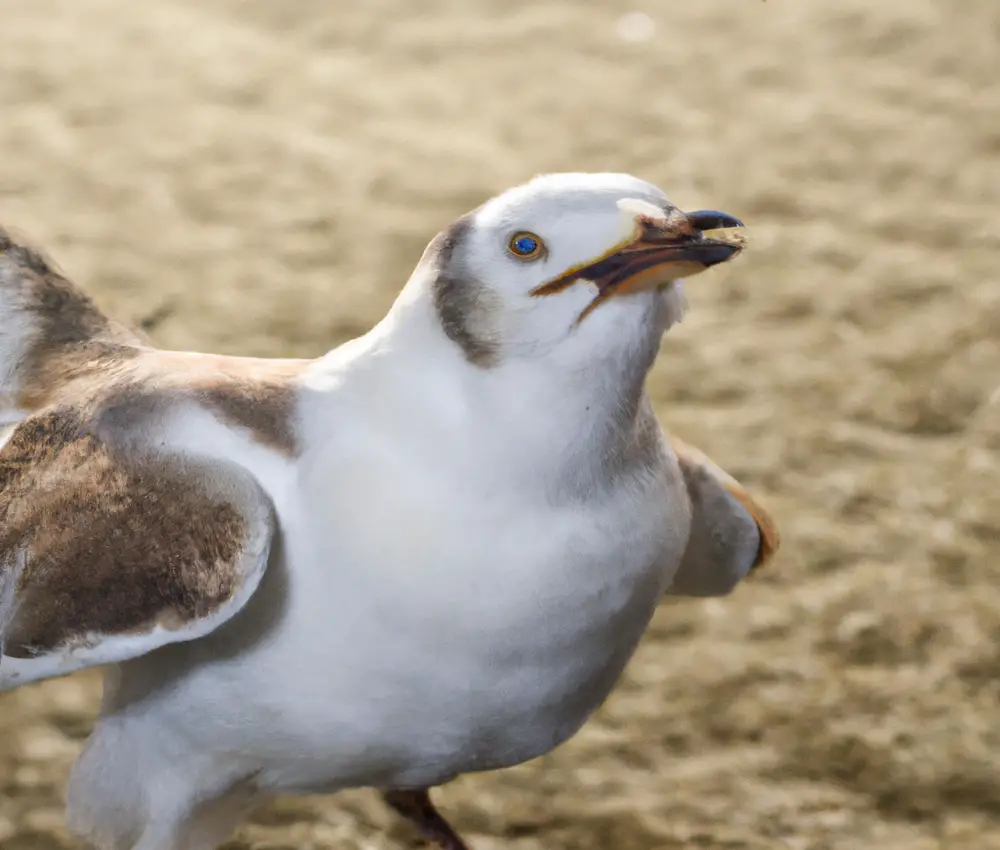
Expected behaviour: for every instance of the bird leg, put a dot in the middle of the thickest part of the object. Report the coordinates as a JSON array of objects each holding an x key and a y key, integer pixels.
[{"x": 416, "y": 807}]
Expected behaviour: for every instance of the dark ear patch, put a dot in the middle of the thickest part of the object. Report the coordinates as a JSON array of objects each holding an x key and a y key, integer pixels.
[{"x": 459, "y": 298}]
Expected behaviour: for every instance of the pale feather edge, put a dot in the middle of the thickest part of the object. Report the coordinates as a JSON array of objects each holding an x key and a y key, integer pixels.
[{"x": 103, "y": 649}]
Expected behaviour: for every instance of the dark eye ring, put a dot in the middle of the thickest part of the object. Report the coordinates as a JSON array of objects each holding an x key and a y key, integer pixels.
[{"x": 526, "y": 246}]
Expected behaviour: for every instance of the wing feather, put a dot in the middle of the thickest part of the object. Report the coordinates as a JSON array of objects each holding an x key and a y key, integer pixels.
[
  {"x": 731, "y": 532},
  {"x": 107, "y": 554}
]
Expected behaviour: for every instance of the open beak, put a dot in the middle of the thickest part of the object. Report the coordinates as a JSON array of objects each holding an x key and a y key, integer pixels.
[{"x": 662, "y": 250}]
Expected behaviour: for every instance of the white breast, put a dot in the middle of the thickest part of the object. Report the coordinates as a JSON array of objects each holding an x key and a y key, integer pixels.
[
  {"x": 438, "y": 621},
  {"x": 434, "y": 607}
]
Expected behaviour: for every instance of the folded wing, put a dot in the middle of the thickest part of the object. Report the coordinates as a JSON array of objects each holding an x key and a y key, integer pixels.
[
  {"x": 731, "y": 533},
  {"x": 107, "y": 553}
]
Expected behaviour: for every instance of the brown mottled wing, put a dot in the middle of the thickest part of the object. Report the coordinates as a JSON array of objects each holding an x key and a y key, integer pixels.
[
  {"x": 106, "y": 555},
  {"x": 731, "y": 533},
  {"x": 51, "y": 331}
]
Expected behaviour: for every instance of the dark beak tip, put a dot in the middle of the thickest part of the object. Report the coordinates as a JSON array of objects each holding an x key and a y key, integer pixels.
[
  {"x": 713, "y": 255},
  {"x": 713, "y": 220}
]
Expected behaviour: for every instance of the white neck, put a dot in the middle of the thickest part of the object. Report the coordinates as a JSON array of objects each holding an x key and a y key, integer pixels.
[{"x": 530, "y": 414}]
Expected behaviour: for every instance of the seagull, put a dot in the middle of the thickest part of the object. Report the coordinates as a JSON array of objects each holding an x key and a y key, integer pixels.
[{"x": 428, "y": 552}]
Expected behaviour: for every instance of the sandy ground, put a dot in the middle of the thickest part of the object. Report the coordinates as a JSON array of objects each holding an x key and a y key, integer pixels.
[{"x": 261, "y": 176}]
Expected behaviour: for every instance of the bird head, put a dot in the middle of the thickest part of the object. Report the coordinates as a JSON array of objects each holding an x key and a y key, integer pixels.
[{"x": 572, "y": 266}]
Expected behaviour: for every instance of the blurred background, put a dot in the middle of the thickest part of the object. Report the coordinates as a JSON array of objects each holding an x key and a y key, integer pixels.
[{"x": 259, "y": 177}]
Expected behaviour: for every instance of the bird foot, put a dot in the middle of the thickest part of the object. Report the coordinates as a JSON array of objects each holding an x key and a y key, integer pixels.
[{"x": 416, "y": 807}]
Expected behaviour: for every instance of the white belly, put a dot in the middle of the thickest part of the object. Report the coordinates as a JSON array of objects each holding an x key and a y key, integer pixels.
[{"x": 424, "y": 634}]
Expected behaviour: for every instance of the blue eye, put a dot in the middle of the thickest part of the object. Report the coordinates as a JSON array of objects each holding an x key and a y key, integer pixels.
[{"x": 525, "y": 246}]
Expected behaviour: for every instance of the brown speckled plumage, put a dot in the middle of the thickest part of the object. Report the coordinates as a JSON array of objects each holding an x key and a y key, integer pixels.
[
  {"x": 106, "y": 545},
  {"x": 75, "y": 355},
  {"x": 96, "y": 540}
]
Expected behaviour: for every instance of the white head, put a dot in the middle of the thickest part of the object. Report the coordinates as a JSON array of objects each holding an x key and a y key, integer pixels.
[
  {"x": 552, "y": 298},
  {"x": 571, "y": 269}
]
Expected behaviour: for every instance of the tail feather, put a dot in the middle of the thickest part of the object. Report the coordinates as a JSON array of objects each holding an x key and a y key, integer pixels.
[{"x": 49, "y": 329}]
